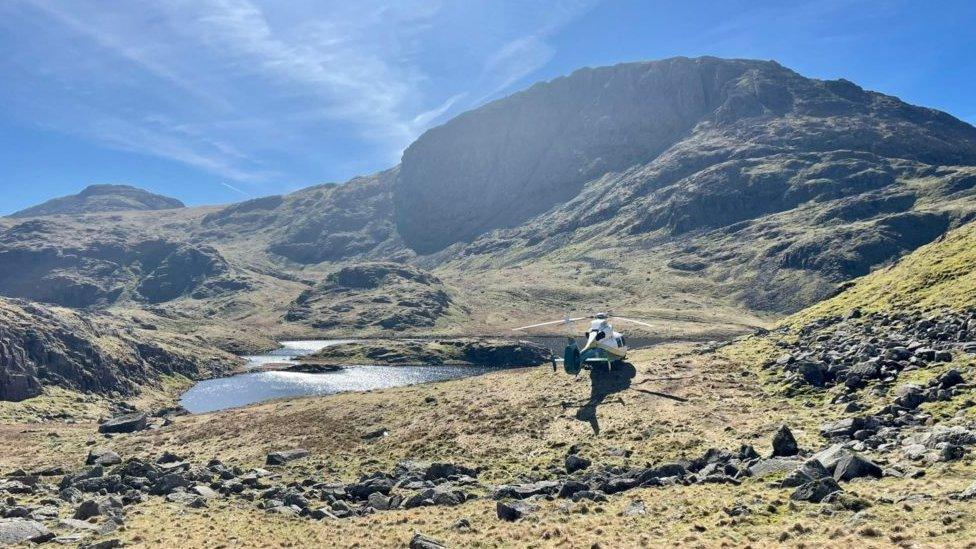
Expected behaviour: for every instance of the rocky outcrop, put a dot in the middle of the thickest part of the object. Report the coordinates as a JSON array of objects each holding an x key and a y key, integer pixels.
[
  {"x": 38, "y": 261},
  {"x": 496, "y": 353},
  {"x": 102, "y": 198},
  {"x": 47, "y": 346},
  {"x": 385, "y": 296}
]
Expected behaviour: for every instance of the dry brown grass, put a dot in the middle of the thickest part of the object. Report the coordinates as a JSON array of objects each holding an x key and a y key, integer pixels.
[{"x": 510, "y": 422}]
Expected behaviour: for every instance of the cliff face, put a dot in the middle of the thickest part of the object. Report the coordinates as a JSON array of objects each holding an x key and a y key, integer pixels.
[
  {"x": 102, "y": 198},
  {"x": 500, "y": 165},
  {"x": 94, "y": 352}
]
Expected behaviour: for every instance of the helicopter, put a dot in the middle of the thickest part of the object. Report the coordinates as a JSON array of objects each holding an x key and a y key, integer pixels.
[{"x": 603, "y": 343}]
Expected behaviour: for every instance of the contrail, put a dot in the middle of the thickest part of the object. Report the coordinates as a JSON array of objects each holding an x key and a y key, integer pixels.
[{"x": 235, "y": 189}]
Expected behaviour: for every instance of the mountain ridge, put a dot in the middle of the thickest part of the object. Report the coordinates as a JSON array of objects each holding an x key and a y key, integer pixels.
[{"x": 100, "y": 199}]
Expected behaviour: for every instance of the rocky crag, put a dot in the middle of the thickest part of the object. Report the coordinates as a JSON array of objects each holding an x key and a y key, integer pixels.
[{"x": 96, "y": 353}]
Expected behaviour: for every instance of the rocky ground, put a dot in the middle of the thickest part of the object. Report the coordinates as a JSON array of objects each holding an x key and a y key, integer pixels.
[
  {"x": 494, "y": 352},
  {"x": 532, "y": 457}
]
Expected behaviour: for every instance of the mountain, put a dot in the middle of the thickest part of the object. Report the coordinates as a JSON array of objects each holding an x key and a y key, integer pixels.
[
  {"x": 500, "y": 165},
  {"x": 712, "y": 195},
  {"x": 102, "y": 198}
]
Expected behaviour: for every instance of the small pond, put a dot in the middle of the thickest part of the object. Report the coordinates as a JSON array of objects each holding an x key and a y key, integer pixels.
[{"x": 258, "y": 386}]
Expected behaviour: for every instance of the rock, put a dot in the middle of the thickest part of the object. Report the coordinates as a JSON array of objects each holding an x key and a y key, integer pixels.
[
  {"x": 376, "y": 434},
  {"x": 107, "y": 507},
  {"x": 783, "y": 443},
  {"x": 576, "y": 463},
  {"x": 204, "y": 491},
  {"x": 112, "y": 543},
  {"x": 523, "y": 491},
  {"x": 863, "y": 370},
  {"x": 570, "y": 488},
  {"x": 968, "y": 493},
  {"x": 773, "y": 466},
  {"x": 284, "y": 456},
  {"x": 914, "y": 452},
  {"x": 362, "y": 490},
  {"x": 438, "y": 471},
  {"x": 378, "y": 501},
  {"x": 811, "y": 470},
  {"x": 75, "y": 524},
  {"x": 186, "y": 498},
  {"x": 18, "y": 531},
  {"x": 746, "y": 452},
  {"x": 815, "y": 491},
  {"x": 831, "y": 455},
  {"x": 169, "y": 482},
  {"x": 592, "y": 495},
  {"x": 322, "y": 513},
  {"x": 854, "y": 466},
  {"x": 420, "y": 541},
  {"x": 128, "y": 423},
  {"x": 950, "y": 378},
  {"x": 909, "y": 396},
  {"x": 951, "y": 452},
  {"x": 102, "y": 456},
  {"x": 635, "y": 508},
  {"x": 514, "y": 510},
  {"x": 812, "y": 373}
]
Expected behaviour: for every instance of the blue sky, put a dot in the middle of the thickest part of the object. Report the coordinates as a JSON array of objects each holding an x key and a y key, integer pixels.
[{"x": 216, "y": 101}]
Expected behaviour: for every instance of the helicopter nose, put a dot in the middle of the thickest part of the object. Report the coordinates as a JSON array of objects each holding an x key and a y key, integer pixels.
[{"x": 590, "y": 341}]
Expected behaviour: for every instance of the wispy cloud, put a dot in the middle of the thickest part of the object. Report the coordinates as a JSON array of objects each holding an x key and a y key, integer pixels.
[{"x": 248, "y": 89}]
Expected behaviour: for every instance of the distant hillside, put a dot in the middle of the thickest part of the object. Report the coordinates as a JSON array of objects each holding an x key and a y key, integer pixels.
[
  {"x": 102, "y": 198},
  {"x": 938, "y": 276}
]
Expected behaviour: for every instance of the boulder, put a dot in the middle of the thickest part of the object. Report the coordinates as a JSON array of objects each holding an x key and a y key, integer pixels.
[
  {"x": 128, "y": 423},
  {"x": 17, "y": 531},
  {"x": 968, "y": 493},
  {"x": 829, "y": 457},
  {"x": 812, "y": 372},
  {"x": 854, "y": 465},
  {"x": 810, "y": 471},
  {"x": 169, "y": 482},
  {"x": 438, "y": 471},
  {"x": 784, "y": 444},
  {"x": 362, "y": 490},
  {"x": 420, "y": 541},
  {"x": 204, "y": 491},
  {"x": 523, "y": 491},
  {"x": 576, "y": 463},
  {"x": 102, "y": 456},
  {"x": 950, "y": 378},
  {"x": 772, "y": 466},
  {"x": 107, "y": 507},
  {"x": 570, "y": 488},
  {"x": 815, "y": 491},
  {"x": 909, "y": 396},
  {"x": 284, "y": 456},
  {"x": 513, "y": 510}
]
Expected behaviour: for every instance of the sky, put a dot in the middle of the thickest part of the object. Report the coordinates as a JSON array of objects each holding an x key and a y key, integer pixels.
[{"x": 218, "y": 101}]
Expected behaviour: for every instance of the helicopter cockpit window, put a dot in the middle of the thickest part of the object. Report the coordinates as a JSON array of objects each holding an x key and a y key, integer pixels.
[{"x": 600, "y": 335}]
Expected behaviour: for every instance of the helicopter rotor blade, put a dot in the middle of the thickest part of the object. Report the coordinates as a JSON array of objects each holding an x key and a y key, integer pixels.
[
  {"x": 561, "y": 321},
  {"x": 625, "y": 319}
]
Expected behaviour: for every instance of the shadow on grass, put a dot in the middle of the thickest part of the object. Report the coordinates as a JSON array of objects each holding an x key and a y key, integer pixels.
[{"x": 604, "y": 382}]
